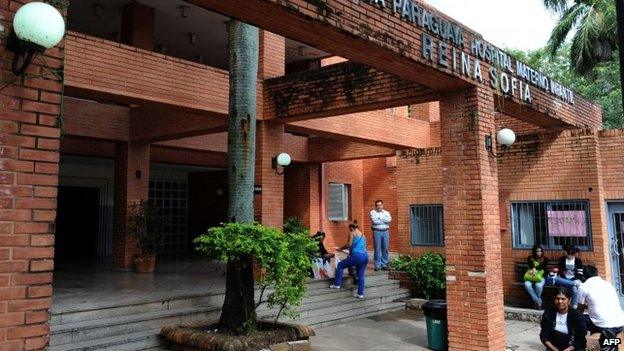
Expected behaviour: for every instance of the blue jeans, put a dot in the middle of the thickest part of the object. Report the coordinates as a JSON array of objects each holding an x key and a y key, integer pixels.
[
  {"x": 359, "y": 260},
  {"x": 535, "y": 290},
  {"x": 381, "y": 238},
  {"x": 559, "y": 281}
]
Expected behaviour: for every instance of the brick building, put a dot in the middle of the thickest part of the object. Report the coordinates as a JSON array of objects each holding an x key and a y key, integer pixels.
[{"x": 141, "y": 113}]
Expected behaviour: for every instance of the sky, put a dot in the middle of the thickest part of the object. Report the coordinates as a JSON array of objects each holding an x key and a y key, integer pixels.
[{"x": 514, "y": 24}]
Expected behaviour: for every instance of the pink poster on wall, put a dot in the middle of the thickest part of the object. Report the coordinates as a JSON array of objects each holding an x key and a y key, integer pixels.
[{"x": 567, "y": 223}]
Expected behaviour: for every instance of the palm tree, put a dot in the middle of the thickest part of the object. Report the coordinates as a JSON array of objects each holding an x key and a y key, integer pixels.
[
  {"x": 238, "y": 307},
  {"x": 594, "y": 26}
]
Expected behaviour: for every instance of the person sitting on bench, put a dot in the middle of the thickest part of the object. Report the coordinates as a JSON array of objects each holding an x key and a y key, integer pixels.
[{"x": 570, "y": 272}]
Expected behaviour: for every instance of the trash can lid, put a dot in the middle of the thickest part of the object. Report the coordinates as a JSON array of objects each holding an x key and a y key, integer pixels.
[{"x": 434, "y": 304}]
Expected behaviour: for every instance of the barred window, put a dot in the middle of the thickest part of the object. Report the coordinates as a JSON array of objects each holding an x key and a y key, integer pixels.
[
  {"x": 551, "y": 224},
  {"x": 338, "y": 202},
  {"x": 427, "y": 225}
]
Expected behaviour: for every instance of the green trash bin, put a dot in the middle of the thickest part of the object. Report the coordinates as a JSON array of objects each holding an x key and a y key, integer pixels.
[{"x": 437, "y": 330}]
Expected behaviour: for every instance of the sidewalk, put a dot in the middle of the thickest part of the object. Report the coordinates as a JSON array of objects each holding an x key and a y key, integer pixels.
[{"x": 406, "y": 331}]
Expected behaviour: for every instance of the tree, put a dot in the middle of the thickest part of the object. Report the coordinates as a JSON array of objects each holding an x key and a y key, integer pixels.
[
  {"x": 238, "y": 307},
  {"x": 595, "y": 32},
  {"x": 604, "y": 87}
]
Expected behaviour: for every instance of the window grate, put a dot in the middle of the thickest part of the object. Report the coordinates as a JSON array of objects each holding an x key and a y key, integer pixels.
[
  {"x": 170, "y": 194},
  {"x": 338, "y": 202},
  {"x": 427, "y": 225},
  {"x": 551, "y": 224}
]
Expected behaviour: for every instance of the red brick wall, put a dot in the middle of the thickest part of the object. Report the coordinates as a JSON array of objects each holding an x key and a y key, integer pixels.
[
  {"x": 348, "y": 172},
  {"x": 551, "y": 167},
  {"x": 301, "y": 194},
  {"x": 29, "y": 144},
  {"x": 419, "y": 182},
  {"x": 379, "y": 182},
  {"x": 612, "y": 154},
  {"x": 108, "y": 68},
  {"x": 555, "y": 167}
]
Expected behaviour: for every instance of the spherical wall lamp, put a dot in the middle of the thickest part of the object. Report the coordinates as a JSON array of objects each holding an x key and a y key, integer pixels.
[
  {"x": 282, "y": 160},
  {"x": 37, "y": 26},
  {"x": 505, "y": 137}
]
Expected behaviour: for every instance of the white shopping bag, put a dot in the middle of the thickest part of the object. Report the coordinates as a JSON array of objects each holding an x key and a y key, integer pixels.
[{"x": 317, "y": 266}]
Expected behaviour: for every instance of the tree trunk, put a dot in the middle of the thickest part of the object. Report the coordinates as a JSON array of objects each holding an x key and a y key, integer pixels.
[{"x": 238, "y": 308}]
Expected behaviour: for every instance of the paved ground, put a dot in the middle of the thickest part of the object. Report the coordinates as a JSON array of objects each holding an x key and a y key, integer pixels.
[{"x": 403, "y": 331}]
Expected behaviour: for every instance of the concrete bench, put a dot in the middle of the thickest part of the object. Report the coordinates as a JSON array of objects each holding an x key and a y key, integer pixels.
[{"x": 548, "y": 295}]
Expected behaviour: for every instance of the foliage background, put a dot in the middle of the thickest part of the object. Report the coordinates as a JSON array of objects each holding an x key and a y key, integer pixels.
[{"x": 602, "y": 85}]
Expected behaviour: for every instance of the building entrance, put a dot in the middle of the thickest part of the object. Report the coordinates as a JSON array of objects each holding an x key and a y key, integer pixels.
[{"x": 76, "y": 223}]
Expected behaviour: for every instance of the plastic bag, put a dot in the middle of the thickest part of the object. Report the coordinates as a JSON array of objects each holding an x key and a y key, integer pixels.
[{"x": 317, "y": 266}]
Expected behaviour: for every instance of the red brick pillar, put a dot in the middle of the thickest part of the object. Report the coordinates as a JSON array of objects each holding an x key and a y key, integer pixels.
[
  {"x": 137, "y": 26},
  {"x": 598, "y": 209},
  {"x": 269, "y": 204},
  {"x": 29, "y": 163},
  {"x": 132, "y": 162},
  {"x": 272, "y": 59},
  {"x": 471, "y": 223}
]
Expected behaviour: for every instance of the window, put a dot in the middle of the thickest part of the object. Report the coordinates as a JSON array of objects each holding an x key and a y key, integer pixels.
[
  {"x": 338, "y": 202},
  {"x": 551, "y": 224},
  {"x": 427, "y": 225},
  {"x": 169, "y": 192}
]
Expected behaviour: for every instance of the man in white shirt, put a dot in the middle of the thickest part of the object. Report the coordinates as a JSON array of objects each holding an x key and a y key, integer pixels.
[
  {"x": 380, "y": 219},
  {"x": 605, "y": 315}
]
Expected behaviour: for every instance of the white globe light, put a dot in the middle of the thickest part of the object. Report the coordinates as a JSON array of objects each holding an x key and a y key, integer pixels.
[
  {"x": 283, "y": 159},
  {"x": 39, "y": 23},
  {"x": 506, "y": 137}
]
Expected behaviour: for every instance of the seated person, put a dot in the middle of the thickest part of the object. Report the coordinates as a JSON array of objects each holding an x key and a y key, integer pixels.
[
  {"x": 326, "y": 256},
  {"x": 599, "y": 297},
  {"x": 562, "y": 327},
  {"x": 569, "y": 273},
  {"x": 534, "y": 277}
]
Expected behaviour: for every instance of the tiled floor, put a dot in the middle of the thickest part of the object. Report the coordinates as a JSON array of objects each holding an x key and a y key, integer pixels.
[
  {"x": 83, "y": 285},
  {"x": 406, "y": 331}
]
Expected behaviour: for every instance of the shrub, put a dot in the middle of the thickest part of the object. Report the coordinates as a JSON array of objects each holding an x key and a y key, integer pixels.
[
  {"x": 285, "y": 258},
  {"x": 294, "y": 225},
  {"x": 427, "y": 272}
]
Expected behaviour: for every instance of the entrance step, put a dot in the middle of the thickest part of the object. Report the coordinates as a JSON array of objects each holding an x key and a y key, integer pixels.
[{"x": 137, "y": 326}]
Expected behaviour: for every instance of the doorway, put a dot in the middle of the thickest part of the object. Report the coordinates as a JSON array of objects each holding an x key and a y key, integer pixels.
[
  {"x": 76, "y": 223},
  {"x": 615, "y": 212}
]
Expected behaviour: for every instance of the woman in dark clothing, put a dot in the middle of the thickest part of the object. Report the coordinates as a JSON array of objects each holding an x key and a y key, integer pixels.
[
  {"x": 534, "y": 277},
  {"x": 570, "y": 272},
  {"x": 562, "y": 327},
  {"x": 326, "y": 256}
]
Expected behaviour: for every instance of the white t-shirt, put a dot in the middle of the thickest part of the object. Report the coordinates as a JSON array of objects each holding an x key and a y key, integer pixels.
[
  {"x": 603, "y": 304},
  {"x": 569, "y": 268},
  {"x": 561, "y": 323}
]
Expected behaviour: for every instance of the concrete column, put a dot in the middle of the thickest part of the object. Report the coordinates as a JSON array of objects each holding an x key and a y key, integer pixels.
[
  {"x": 132, "y": 163},
  {"x": 137, "y": 26},
  {"x": 471, "y": 223}
]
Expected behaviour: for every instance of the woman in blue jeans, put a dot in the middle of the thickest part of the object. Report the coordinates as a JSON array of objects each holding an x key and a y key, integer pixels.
[
  {"x": 358, "y": 257},
  {"x": 569, "y": 273},
  {"x": 534, "y": 278}
]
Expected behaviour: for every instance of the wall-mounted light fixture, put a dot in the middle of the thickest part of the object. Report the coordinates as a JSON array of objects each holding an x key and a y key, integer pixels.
[
  {"x": 97, "y": 10},
  {"x": 505, "y": 137},
  {"x": 184, "y": 11},
  {"x": 282, "y": 160},
  {"x": 37, "y": 26},
  {"x": 193, "y": 38}
]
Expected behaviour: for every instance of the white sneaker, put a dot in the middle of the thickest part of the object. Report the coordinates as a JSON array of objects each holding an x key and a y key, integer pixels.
[
  {"x": 334, "y": 286},
  {"x": 357, "y": 296}
]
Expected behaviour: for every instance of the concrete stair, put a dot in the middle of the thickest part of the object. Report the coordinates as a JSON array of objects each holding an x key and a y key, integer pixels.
[{"x": 137, "y": 326}]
